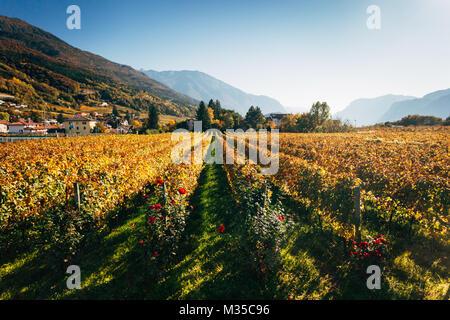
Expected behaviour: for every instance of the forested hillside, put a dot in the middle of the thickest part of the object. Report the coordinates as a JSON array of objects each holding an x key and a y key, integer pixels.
[{"x": 37, "y": 67}]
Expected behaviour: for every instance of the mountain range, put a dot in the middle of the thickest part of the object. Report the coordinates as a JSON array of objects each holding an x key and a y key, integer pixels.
[
  {"x": 394, "y": 107},
  {"x": 363, "y": 112},
  {"x": 433, "y": 104},
  {"x": 202, "y": 86},
  {"x": 37, "y": 67}
]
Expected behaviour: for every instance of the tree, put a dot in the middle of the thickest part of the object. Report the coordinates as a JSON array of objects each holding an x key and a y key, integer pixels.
[
  {"x": 320, "y": 112},
  {"x": 270, "y": 125},
  {"x": 204, "y": 116},
  {"x": 238, "y": 120},
  {"x": 60, "y": 118},
  {"x": 336, "y": 125},
  {"x": 153, "y": 117},
  {"x": 254, "y": 118},
  {"x": 115, "y": 112},
  {"x": 137, "y": 125},
  {"x": 228, "y": 121},
  {"x": 447, "y": 122},
  {"x": 218, "y": 109},
  {"x": 419, "y": 120},
  {"x": 289, "y": 123},
  {"x": 210, "y": 113},
  {"x": 305, "y": 122},
  {"x": 215, "y": 106},
  {"x": 100, "y": 128},
  {"x": 4, "y": 116},
  {"x": 35, "y": 116},
  {"x": 211, "y": 104}
]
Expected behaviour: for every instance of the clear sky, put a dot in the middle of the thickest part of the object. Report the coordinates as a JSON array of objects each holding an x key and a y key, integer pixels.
[{"x": 297, "y": 52}]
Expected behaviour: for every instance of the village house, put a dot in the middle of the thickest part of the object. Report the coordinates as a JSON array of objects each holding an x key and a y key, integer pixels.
[
  {"x": 4, "y": 126},
  {"x": 19, "y": 127},
  {"x": 16, "y": 127},
  {"x": 79, "y": 126},
  {"x": 34, "y": 130},
  {"x": 276, "y": 117}
]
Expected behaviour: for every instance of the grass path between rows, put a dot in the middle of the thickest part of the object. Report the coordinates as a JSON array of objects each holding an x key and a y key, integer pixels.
[{"x": 213, "y": 266}]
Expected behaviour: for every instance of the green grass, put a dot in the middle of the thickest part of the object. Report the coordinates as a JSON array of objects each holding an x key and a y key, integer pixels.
[{"x": 214, "y": 267}]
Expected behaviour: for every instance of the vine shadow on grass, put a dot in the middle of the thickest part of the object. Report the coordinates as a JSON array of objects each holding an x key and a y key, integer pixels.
[{"x": 30, "y": 275}]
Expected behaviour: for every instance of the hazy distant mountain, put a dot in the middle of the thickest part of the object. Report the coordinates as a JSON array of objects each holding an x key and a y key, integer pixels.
[
  {"x": 434, "y": 104},
  {"x": 202, "y": 86},
  {"x": 369, "y": 111},
  {"x": 38, "y": 67}
]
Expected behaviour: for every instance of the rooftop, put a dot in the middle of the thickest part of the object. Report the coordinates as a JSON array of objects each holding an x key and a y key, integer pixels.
[{"x": 79, "y": 118}]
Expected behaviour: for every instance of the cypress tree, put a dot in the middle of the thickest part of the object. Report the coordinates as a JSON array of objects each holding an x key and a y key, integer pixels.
[
  {"x": 153, "y": 117},
  {"x": 115, "y": 112},
  {"x": 203, "y": 115}
]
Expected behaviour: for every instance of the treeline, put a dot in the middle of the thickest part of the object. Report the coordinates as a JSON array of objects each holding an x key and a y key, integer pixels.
[
  {"x": 418, "y": 120},
  {"x": 214, "y": 116},
  {"x": 318, "y": 119}
]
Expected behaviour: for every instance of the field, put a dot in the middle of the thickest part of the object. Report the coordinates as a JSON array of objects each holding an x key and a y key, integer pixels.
[{"x": 146, "y": 228}]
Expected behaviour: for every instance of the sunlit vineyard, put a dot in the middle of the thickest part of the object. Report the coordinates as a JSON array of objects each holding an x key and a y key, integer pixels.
[
  {"x": 146, "y": 227},
  {"x": 38, "y": 204},
  {"x": 403, "y": 178},
  {"x": 403, "y": 174}
]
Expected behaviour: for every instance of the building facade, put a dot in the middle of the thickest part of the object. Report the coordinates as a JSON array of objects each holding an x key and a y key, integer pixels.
[
  {"x": 16, "y": 127},
  {"x": 79, "y": 126}
]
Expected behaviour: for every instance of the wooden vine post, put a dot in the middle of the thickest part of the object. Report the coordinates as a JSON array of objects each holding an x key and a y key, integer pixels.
[
  {"x": 77, "y": 196},
  {"x": 165, "y": 201}
]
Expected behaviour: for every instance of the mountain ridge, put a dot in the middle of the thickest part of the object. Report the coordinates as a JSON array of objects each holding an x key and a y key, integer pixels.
[
  {"x": 436, "y": 103},
  {"x": 203, "y": 86},
  {"x": 367, "y": 111}
]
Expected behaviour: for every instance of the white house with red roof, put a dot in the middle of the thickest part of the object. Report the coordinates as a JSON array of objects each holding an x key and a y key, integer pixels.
[
  {"x": 16, "y": 127},
  {"x": 21, "y": 125}
]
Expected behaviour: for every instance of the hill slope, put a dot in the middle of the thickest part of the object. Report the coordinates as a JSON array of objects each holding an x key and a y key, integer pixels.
[
  {"x": 434, "y": 104},
  {"x": 204, "y": 87},
  {"x": 36, "y": 66},
  {"x": 369, "y": 111}
]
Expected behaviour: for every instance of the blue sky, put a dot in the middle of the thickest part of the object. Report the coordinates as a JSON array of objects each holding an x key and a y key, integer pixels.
[{"x": 295, "y": 51}]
